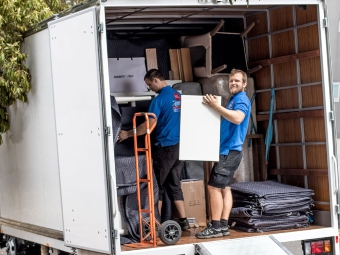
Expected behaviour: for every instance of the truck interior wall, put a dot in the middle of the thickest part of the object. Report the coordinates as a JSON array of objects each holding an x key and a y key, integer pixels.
[{"x": 299, "y": 155}]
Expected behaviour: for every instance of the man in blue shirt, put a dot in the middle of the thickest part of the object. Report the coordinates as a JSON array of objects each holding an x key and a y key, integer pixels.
[
  {"x": 167, "y": 166},
  {"x": 234, "y": 126}
]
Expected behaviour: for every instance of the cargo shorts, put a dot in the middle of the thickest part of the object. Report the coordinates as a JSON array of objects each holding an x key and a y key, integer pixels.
[{"x": 222, "y": 173}]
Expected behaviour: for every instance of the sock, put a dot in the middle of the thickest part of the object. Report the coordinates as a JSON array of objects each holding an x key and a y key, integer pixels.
[
  {"x": 224, "y": 223},
  {"x": 216, "y": 224},
  {"x": 182, "y": 219}
]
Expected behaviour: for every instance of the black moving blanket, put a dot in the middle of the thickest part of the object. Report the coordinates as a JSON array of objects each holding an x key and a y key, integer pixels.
[
  {"x": 270, "y": 189},
  {"x": 270, "y": 205}
]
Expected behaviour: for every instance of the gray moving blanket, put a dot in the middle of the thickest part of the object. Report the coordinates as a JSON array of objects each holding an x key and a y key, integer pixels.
[
  {"x": 270, "y": 205},
  {"x": 270, "y": 189}
]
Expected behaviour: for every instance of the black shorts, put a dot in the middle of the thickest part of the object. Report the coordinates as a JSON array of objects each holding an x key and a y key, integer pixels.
[
  {"x": 168, "y": 171},
  {"x": 223, "y": 171}
]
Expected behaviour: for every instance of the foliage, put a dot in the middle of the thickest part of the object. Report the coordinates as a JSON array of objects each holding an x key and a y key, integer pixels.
[{"x": 16, "y": 16}]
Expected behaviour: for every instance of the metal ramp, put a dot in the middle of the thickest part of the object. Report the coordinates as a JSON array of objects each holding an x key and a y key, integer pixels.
[{"x": 264, "y": 245}]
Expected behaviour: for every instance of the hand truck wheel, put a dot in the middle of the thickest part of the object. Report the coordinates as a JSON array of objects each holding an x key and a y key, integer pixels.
[{"x": 169, "y": 232}]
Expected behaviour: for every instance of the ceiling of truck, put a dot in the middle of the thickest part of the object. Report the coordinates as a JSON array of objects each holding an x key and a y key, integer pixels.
[{"x": 148, "y": 20}]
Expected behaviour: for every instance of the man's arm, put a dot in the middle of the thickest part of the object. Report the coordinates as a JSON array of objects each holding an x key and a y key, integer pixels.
[
  {"x": 141, "y": 130},
  {"x": 234, "y": 116}
]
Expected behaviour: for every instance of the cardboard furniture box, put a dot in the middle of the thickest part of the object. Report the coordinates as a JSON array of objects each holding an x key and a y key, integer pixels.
[{"x": 194, "y": 201}]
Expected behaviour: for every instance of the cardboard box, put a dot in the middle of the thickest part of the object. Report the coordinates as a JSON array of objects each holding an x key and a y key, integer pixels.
[{"x": 194, "y": 201}]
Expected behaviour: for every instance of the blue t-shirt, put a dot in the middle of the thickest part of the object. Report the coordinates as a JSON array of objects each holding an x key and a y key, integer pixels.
[
  {"x": 167, "y": 106},
  {"x": 233, "y": 135}
]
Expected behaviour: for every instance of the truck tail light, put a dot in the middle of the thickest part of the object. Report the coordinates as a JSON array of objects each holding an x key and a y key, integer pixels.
[
  {"x": 319, "y": 246},
  {"x": 327, "y": 247}
]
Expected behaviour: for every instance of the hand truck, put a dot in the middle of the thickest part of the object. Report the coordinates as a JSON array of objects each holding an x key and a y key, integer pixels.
[{"x": 149, "y": 228}]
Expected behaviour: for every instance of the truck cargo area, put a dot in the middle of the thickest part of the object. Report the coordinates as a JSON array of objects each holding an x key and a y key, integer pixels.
[
  {"x": 278, "y": 46},
  {"x": 60, "y": 163}
]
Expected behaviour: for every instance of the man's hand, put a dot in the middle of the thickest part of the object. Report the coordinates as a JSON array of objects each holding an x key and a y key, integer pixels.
[
  {"x": 210, "y": 100},
  {"x": 123, "y": 135}
]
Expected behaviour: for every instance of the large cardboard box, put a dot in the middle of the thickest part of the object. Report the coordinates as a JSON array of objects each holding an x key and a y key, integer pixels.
[{"x": 194, "y": 201}]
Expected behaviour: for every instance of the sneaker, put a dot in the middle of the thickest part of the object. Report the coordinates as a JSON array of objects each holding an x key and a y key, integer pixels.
[
  {"x": 184, "y": 224},
  {"x": 209, "y": 232},
  {"x": 225, "y": 230}
]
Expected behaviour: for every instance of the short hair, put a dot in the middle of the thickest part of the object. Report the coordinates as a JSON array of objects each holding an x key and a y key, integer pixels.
[
  {"x": 235, "y": 71},
  {"x": 154, "y": 73}
]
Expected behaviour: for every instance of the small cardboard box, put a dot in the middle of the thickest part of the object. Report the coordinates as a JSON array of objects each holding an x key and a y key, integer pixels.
[{"x": 194, "y": 201}]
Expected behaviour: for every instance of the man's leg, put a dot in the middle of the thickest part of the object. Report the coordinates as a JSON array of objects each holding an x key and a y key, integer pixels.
[
  {"x": 216, "y": 202},
  {"x": 227, "y": 205},
  {"x": 180, "y": 208},
  {"x": 213, "y": 229},
  {"x": 160, "y": 207},
  {"x": 227, "y": 202}
]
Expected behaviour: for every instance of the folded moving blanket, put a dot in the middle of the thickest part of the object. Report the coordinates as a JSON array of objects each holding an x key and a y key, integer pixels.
[
  {"x": 260, "y": 222},
  {"x": 270, "y": 189},
  {"x": 281, "y": 226},
  {"x": 246, "y": 212}
]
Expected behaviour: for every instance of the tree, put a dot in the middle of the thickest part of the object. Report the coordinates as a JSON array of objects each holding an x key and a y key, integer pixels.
[{"x": 16, "y": 17}]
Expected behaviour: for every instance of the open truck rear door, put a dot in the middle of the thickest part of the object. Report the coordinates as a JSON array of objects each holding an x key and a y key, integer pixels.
[{"x": 81, "y": 133}]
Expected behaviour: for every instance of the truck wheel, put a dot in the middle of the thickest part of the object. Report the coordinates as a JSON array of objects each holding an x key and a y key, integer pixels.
[
  {"x": 11, "y": 246},
  {"x": 170, "y": 232}
]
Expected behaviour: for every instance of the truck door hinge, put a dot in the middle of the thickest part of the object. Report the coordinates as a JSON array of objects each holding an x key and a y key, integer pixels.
[
  {"x": 100, "y": 27},
  {"x": 331, "y": 116},
  {"x": 114, "y": 233},
  {"x": 337, "y": 209},
  {"x": 108, "y": 130},
  {"x": 325, "y": 22}
]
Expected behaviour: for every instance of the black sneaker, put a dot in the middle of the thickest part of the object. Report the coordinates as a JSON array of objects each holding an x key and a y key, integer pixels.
[
  {"x": 183, "y": 223},
  {"x": 225, "y": 230},
  {"x": 209, "y": 232}
]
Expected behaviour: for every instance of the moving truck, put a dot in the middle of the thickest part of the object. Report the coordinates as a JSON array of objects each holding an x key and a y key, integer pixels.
[{"x": 57, "y": 163}]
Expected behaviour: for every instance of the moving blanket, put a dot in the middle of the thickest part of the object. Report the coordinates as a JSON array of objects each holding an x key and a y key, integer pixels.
[
  {"x": 126, "y": 174},
  {"x": 130, "y": 210},
  {"x": 281, "y": 226},
  {"x": 276, "y": 206},
  {"x": 269, "y": 205},
  {"x": 247, "y": 212},
  {"x": 270, "y": 189},
  {"x": 258, "y": 223}
]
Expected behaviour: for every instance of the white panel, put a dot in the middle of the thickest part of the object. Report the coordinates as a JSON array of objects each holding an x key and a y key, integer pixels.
[
  {"x": 29, "y": 177},
  {"x": 200, "y": 130},
  {"x": 77, "y": 99},
  {"x": 259, "y": 245}
]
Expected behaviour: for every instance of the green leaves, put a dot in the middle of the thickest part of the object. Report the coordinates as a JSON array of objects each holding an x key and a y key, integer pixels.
[{"x": 16, "y": 17}]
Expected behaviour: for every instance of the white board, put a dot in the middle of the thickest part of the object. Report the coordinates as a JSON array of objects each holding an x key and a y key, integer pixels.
[
  {"x": 127, "y": 75},
  {"x": 199, "y": 130}
]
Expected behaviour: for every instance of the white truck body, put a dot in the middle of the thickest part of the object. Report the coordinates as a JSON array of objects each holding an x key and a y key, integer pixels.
[{"x": 57, "y": 170}]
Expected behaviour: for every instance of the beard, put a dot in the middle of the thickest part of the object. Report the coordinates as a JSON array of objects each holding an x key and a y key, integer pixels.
[{"x": 235, "y": 90}]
